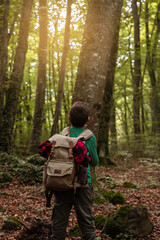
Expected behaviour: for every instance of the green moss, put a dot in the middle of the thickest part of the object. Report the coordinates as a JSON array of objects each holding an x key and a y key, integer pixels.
[
  {"x": 129, "y": 185},
  {"x": 108, "y": 195},
  {"x": 100, "y": 221},
  {"x": 116, "y": 221},
  {"x": 99, "y": 201},
  {"x": 114, "y": 197},
  {"x": 118, "y": 198},
  {"x": 76, "y": 231},
  {"x": 12, "y": 223}
]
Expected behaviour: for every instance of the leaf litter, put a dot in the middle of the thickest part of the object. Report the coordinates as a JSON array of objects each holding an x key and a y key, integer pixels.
[{"x": 27, "y": 202}]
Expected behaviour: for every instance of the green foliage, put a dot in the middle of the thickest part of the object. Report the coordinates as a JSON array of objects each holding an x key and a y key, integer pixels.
[
  {"x": 124, "y": 236},
  {"x": 29, "y": 173},
  {"x": 129, "y": 185},
  {"x": 123, "y": 88},
  {"x": 114, "y": 197},
  {"x": 75, "y": 231},
  {"x": 20, "y": 169},
  {"x": 8, "y": 159},
  {"x": 36, "y": 160},
  {"x": 108, "y": 180},
  {"x": 100, "y": 221},
  {"x": 2, "y": 209},
  {"x": 99, "y": 200},
  {"x": 5, "y": 177},
  {"x": 12, "y": 223}
]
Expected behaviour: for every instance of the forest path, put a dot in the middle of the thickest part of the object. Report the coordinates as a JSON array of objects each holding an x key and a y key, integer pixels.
[{"x": 28, "y": 202}]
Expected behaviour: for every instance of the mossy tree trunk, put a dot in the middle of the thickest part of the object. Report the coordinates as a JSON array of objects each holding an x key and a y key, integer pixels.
[
  {"x": 103, "y": 135},
  {"x": 4, "y": 13},
  {"x": 151, "y": 66},
  {"x": 101, "y": 28},
  {"x": 137, "y": 70},
  {"x": 13, "y": 92},
  {"x": 41, "y": 79}
]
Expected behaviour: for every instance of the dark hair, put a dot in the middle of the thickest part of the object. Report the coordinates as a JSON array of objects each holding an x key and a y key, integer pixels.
[{"x": 79, "y": 114}]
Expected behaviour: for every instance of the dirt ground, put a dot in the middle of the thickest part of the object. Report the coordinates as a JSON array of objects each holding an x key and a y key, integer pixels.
[{"x": 28, "y": 202}]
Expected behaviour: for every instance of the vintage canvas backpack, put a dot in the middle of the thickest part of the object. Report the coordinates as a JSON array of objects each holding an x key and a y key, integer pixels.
[{"x": 61, "y": 172}]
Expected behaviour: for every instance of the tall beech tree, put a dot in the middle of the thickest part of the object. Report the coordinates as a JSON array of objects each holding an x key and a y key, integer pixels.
[
  {"x": 137, "y": 69},
  {"x": 13, "y": 91},
  {"x": 4, "y": 13},
  {"x": 107, "y": 103},
  {"x": 151, "y": 65},
  {"x": 94, "y": 62},
  {"x": 41, "y": 79},
  {"x": 63, "y": 69},
  {"x": 94, "y": 83}
]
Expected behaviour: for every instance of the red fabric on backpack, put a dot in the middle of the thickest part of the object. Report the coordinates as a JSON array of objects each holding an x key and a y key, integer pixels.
[
  {"x": 45, "y": 148},
  {"x": 80, "y": 154}
]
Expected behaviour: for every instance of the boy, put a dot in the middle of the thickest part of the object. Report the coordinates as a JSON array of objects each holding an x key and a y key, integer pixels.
[{"x": 82, "y": 199}]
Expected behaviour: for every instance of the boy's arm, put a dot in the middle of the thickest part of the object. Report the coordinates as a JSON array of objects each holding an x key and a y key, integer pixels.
[{"x": 92, "y": 148}]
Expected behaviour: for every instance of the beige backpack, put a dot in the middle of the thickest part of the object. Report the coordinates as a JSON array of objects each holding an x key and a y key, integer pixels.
[{"x": 60, "y": 171}]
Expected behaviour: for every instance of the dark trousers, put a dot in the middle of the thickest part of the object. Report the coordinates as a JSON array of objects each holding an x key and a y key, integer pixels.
[{"x": 82, "y": 202}]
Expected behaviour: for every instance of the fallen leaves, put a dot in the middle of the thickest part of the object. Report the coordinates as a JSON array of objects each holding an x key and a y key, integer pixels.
[{"x": 28, "y": 202}]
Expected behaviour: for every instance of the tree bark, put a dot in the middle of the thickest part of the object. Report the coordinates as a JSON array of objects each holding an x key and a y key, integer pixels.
[
  {"x": 101, "y": 25},
  {"x": 63, "y": 69},
  {"x": 137, "y": 70},
  {"x": 13, "y": 91},
  {"x": 4, "y": 6},
  {"x": 151, "y": 63},
  {"x": 103, "y": 136},
  {"x": 41, "y": 79},
  {"x": 97, "y": 64}
]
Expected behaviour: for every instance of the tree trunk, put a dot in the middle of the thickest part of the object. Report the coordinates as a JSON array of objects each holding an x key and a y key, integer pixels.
[
  {"x": 4, "y": 7},
  {"x": 103, "y": 136},
  {"x": 63, "y": 69},
  {"x": 151, "y": 63},
  {"x": 94, "y": 63},
  {"x": 13, "y": 92},
  {"x": 137, "y": 70},
  {"x": 96, "y": 72},
  {"x": 41, "y": 80}
]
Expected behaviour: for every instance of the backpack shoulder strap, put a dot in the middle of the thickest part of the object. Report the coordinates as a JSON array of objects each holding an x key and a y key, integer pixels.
[
  {"x": 65, "y": 131},
  {"x": 86, "y": 134}
]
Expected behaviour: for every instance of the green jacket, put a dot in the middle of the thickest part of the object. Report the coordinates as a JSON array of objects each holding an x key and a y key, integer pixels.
[{"x": 91, "y": 147}]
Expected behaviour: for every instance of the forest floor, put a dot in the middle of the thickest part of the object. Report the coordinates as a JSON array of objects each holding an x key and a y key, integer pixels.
[{"x": 28, "y": 202}]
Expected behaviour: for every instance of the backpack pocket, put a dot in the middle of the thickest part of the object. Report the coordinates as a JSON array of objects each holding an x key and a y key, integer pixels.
[
  {"x": 59, "y": 168},
  {"x": 60, "y": 175}
]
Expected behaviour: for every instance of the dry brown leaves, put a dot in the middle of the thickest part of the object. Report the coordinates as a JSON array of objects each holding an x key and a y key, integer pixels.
[{"x": 28, "y": 202}]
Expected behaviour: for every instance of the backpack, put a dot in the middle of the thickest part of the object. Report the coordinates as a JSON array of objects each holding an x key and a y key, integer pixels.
[{"x": 61, "y": 172}]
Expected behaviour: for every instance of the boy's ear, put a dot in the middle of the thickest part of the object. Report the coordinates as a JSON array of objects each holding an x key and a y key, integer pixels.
[
  {"x": 88, "y": 119},
  {"x": 68, "y": 117}
]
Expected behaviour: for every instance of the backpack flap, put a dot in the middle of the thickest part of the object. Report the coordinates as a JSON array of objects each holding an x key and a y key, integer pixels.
[{"x": 63, "y": 141}]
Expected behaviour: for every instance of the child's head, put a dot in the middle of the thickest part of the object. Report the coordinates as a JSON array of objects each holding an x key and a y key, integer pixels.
[{"x": 79, "y": 114}]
